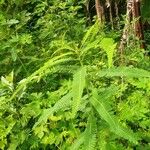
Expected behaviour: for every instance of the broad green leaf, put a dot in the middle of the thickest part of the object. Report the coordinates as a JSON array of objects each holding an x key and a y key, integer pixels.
[
  {"x": 8, "y": 81},
  {"x": 12, "y": 21},
  {"x": 13, "y": 55}
]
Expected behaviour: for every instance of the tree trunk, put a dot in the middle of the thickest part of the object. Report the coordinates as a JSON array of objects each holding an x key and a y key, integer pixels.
[
  {"x": 138, "y": 23},
  {"x": 110, "y": 14},
  {"x": 133, "y": 13},
  {"x": 125, "y": 33},
  {"x": 99, "y": 11},
  {"x": 87, "y": 12},
  {"x": 117, "y": 15}
]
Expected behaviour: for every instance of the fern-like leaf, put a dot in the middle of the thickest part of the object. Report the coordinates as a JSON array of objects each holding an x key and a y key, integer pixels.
[
  {"x": 78, "y": 142},
  {"x": 90, "y": 46},
  {"x": 100, "y": 106},
  {"x": 90, "y": 34},
  {"x": 110, "y": 119},
  {"x": 109, "y": 47},
  {"x": 77, "y": 89},
  {"x": 87, "y": 139},
  {"x": 124, "y": 72},
  {"x": 90, "y": 133},
  {"x": 63, "y": 103},
  {"x": 41, "y": 72}
]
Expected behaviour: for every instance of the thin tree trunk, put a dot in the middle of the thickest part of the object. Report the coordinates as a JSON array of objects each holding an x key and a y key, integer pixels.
[
  {"x": 87, "y": 12},
  {"x": 125, "y": 35},
  {"x": 124, "y": 38},
  {"x": 99, "y": 11},
  {"x": 117, "y": 14},
  {"x": 110, "y": 14},
  {"x": 138, "y": 23},
  {"x": 133, "y": 12}
]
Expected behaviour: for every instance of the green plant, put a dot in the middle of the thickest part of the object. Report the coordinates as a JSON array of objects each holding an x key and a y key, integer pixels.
[
  {"x": 62, "y": 88},
  {"x": 84, "y": 108}
]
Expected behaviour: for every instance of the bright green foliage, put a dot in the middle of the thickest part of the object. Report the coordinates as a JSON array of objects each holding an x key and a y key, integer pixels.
[
  {"x": 87, "y": 140},
  {"x": 61, "y": 83},
  {"x": 63, "y": 103},
  {"x": 99, "y": 105},
  {"x": 90, "y": 133},
  {"x": 124, "y": 72},
  {"x": 109, "y": 46},
  {"x": 77, "y": 89}
]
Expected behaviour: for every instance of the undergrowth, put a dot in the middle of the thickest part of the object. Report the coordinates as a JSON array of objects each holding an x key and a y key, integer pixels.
[{"x": 70, "y": 93}]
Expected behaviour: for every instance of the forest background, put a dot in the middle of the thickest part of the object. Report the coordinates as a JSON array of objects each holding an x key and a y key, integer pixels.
[{"x": 75, "y": 75}]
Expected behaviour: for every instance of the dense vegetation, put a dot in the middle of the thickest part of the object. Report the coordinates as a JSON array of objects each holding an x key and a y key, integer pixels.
[{"x": 66, "y": 84}]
